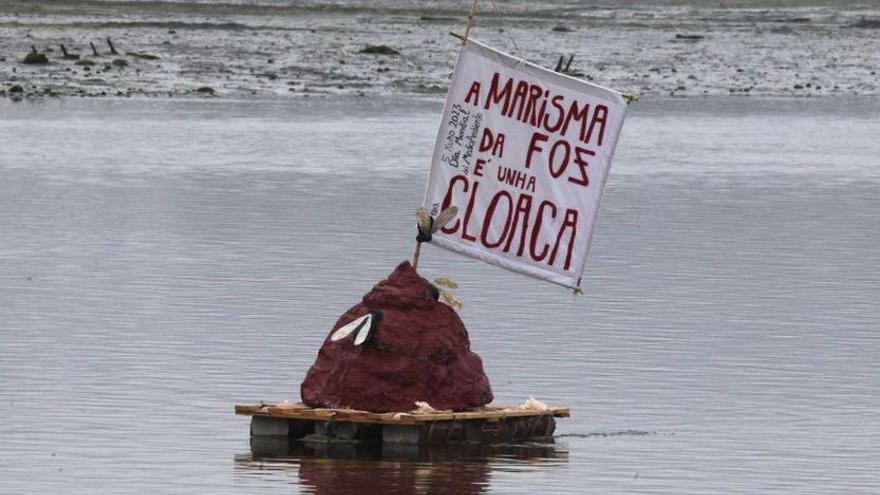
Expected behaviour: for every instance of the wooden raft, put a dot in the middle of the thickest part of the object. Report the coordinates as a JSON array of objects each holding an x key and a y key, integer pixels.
[{"x": 488, "y": 424}]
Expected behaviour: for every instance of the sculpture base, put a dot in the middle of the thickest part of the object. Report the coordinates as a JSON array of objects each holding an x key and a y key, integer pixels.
[{"x": 485, "y": 425}]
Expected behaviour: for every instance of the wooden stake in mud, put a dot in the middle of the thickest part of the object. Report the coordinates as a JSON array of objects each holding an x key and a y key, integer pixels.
[
  {"x": 68, "y": 55},
  {"x": 94, "y": 50},
  {"x": 470, "y": 20}
]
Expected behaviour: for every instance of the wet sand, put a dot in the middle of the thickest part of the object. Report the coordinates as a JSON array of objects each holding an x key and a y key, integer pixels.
[{"x": 679, "y": 48}]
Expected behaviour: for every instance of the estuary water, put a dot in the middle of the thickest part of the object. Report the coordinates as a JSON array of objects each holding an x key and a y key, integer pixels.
[{"x": 161, "y": 261}]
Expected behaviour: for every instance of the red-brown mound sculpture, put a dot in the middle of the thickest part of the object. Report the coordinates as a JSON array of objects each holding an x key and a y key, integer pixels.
[{"x": 419, "y": 351}]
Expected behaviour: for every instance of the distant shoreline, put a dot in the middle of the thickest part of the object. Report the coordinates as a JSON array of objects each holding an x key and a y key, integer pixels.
[{"x": 231, "y": 50}]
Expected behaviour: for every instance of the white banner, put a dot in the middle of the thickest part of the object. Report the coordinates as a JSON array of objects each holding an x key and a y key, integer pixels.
[{"x": 524, "y": 153}]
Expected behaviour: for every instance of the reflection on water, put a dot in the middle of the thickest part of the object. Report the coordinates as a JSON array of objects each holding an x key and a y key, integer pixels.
[{"x": 340, "y": 469}]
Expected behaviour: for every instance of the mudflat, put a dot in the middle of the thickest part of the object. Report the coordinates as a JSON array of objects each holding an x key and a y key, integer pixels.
[{"x": 319, "y": 47}]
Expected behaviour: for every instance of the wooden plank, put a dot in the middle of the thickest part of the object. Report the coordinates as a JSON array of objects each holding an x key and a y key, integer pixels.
[
  {"x": 301, "y": 411},
  {"x": 247, "y": 409},
  {"x": 327, "y": 414}
]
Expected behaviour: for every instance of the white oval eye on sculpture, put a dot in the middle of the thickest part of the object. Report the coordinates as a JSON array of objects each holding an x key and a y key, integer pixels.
[{"x": 363, "y": 324}]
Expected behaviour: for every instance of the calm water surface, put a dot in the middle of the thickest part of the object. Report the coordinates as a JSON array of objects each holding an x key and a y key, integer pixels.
[{"x": 161, "y": 261}]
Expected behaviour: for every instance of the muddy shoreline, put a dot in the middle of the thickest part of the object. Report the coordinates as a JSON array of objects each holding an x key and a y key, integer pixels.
[{"x": 212, "y": 50}]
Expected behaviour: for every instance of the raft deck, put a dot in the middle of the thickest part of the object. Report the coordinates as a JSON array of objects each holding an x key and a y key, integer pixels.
[{"x": 488, "y": 424}]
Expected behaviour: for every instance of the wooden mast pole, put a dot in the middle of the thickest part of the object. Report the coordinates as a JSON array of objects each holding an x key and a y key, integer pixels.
[
  {"x": 416, "y": 256},
  {"x": 467, "y": 32},
  {"x": 470, "y": 21}
]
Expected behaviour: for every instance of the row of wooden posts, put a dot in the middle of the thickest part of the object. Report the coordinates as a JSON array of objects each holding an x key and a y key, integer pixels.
[{"x": 73, "y": 56}]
